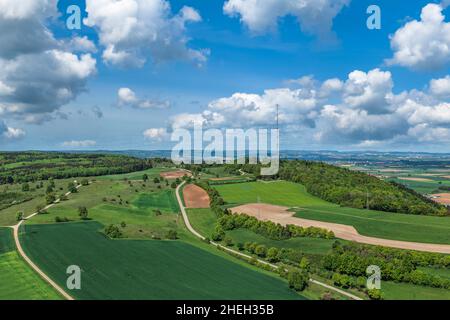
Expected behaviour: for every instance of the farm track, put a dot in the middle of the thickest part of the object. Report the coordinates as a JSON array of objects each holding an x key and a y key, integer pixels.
[
  {"x": 283, "y": 216},
  {"x": 198, "y": 235},
  {"x": 29, "y": 261}
]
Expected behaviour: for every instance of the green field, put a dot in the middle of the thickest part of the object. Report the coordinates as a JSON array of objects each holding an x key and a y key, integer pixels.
[
  {"x": 305, "y": 245},
  {"x": 371, "y": 223},
  {"x": 204, "y": 221},
  {"x": 406, "y": 291},
  {"x": 18, "y": 280},
  {"x": 136, "y": 269}
]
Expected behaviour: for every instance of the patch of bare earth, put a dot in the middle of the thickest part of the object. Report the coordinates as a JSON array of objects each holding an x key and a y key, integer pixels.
[
  {"x": 416, "y": 179},
  {"x": 283, "y": 216},
  {"x": 442, "y": 198},
  {"x": 195, "y": 197},
  {"x": 175, "y": 174}
]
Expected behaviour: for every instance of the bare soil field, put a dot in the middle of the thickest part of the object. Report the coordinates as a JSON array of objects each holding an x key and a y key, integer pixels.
[
  {"x": 415, "y": 179},
  {"x": 443, "y": 198},
  {"x": 195, "y": 197},
  {"x": 175, "y": 174},
  {"x": 393, "y": 170},
  {"x": 283, "y": 216}
]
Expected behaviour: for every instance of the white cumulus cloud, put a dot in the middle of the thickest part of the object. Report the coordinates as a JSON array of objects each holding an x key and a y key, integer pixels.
[
  {"x": 79, "y": 143},
  {"x": 423, "y": 44},
  {"x": 314, "y": 16},
  {"x": 131, "y": 31},
  {"x": 157, "y": 134},
  {"x": 127, "y": 98}
]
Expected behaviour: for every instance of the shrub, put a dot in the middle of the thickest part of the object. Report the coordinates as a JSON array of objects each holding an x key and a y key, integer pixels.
[
  {"x": 113, "y": 231},
  {"x": 172, "y": 235},
  {"x": 375, "y": 294},
  {"x": 19, "y": 216},
  {"x": 228, "y": 241},
  {"x": 83, "y": 213}
]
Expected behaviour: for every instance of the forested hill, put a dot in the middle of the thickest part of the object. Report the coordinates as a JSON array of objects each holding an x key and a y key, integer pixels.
[
  {"x": 356, "y": 189},
  {"x": 18, "y": 167}
]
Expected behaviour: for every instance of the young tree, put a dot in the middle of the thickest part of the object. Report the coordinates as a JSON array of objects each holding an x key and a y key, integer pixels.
[
  {"x": 40, "y": 208},
  {"x": 72, "y": 188},
  {"x": 156, "y": 180},
  {"x": 49, "y": 189},
  {"x": 25, "y": 187},
  {"x": 83, "y": 213},
  {"x": 50, "y": 198},
  {"x": 20, "y": 215},
  {"x": 261, "y": 250},
  {"x": 145, "y": 177},
  {"x": 298, "y": 280},
  {"x": 228, "y": 241},
  {"x": 273, "y": 255},
  {"x": 304, "y": 263}
]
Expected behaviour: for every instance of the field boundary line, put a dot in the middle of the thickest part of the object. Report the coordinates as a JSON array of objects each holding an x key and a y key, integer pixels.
[
  {"x": 29, "y": 261},
  {"x": 198, "y": 235}
]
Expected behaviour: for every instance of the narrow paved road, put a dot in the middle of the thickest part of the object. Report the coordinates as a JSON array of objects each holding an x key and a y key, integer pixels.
[
  {"x": 28, "y": 260},
  {"x": 198, "y": 235}
]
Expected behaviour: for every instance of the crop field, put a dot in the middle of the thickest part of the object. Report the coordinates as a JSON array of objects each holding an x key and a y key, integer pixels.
[
  {"x": 18, "y": 281},
  {"x": 371, "y": 223},
  {"x": 135, "y": 269}
]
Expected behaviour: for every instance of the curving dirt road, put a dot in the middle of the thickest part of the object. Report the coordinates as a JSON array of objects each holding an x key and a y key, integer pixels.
[
  {"x": 28, "y": 260},
  {"x": 198, "y": 235},
  {"x": 281, "y": 215}
]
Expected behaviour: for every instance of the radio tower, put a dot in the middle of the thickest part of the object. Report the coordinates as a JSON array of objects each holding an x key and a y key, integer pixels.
[{"x": 278, "y": 108}]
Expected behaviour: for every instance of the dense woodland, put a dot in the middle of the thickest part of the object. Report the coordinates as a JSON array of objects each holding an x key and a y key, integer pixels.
[{"x": 19, "y": 167}]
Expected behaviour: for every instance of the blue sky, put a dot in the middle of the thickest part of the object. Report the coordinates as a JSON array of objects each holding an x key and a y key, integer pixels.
[{"x": 174, "y": 85}]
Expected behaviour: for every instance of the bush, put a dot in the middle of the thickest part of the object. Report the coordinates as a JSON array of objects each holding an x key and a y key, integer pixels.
[
  {"x": 19, "y": 216},
  {"x": 113, "y": 231},
  {"x": 72, "y": 188},
  {"x": 85, "y": 182},
  {"x": 83, "y": 213},
  {"x": 172, "y": 235},
  {"x": 59, "y": 219},
  {"x": 123, "y": 224},
  {"x": 228, "y": 241},
  {"x": 375, "y": 294}
]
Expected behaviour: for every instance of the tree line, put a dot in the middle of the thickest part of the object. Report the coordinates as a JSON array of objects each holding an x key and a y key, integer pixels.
[
  {"x": 396, "y": 265},
  {"x": 35, "y": 166}
]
